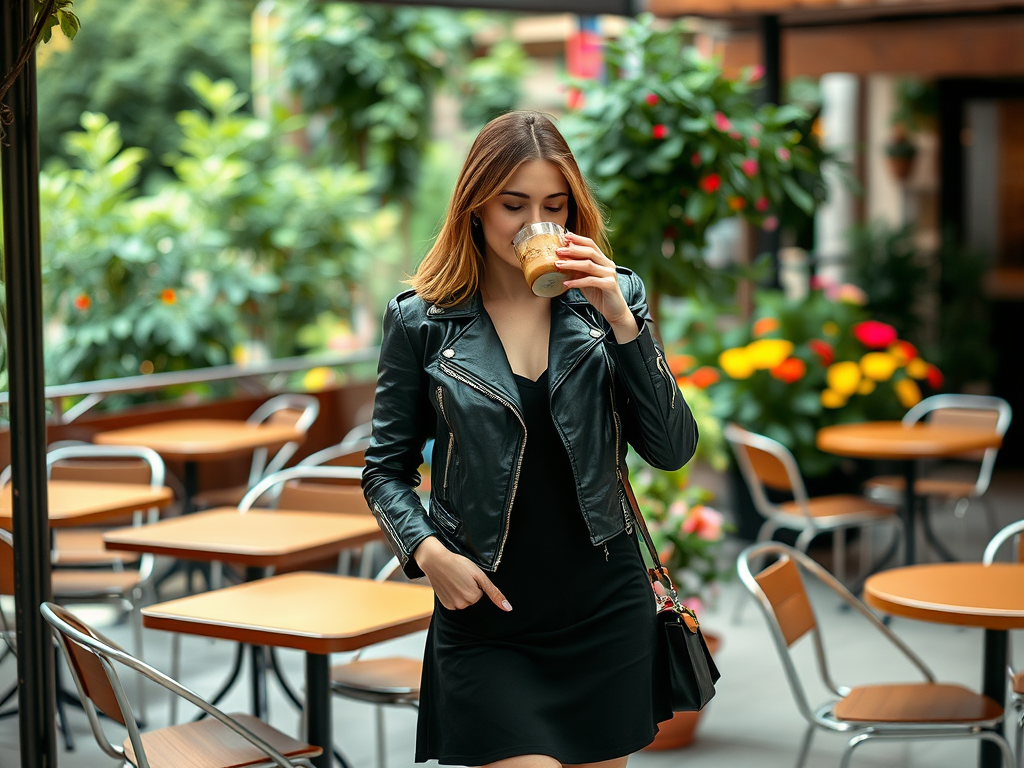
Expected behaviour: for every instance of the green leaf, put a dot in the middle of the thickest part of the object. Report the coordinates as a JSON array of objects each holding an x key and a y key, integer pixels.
[{"x": 797, "y": 194}]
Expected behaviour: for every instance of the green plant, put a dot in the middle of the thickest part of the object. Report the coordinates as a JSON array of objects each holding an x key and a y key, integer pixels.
[
  {"x": 965, "y": 346},
  {"x": 674, "y": 146},
  {"x": 492, "y": 84}
]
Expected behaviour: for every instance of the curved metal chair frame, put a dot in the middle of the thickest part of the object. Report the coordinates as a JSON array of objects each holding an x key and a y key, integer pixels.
[
  {"x": 310, "y": 409},
  {"x": 823, "y": 716},
  {"x": 108, "y": 652}
]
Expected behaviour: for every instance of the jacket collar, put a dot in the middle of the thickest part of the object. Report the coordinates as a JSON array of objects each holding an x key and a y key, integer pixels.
[{"x": 473, "y": 306}]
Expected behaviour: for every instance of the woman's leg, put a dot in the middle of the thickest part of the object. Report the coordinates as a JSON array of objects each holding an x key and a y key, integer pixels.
[
  {"x": 618, "y": 762},
  {"x": 526, "y": 761}
]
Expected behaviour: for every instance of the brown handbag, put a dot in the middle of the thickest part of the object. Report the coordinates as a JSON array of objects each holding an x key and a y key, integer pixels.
[{"x": 680, "y": 642}]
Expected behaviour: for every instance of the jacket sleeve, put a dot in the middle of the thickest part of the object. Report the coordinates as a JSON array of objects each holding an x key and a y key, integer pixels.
[
  {"x": 402, "y": 419},
  {"x": 656, "y": 419}
]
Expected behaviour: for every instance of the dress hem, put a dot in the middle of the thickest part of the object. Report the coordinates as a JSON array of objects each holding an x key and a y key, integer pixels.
[{"x": 546, "y": 750}]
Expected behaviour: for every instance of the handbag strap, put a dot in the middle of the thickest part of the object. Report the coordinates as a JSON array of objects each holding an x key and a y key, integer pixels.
[{"x": 659, "y": 572}]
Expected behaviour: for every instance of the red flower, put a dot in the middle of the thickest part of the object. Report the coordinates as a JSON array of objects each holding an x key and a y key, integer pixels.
[
  {"x": 722, "y": 122},
  {"x": 704, "y": 377},
  {"x": 651, "y": 99},
  {"x": 737, "y": 203},
  {"x": 756, "y": 73},
  {"x": 823, "y": 350},
  {"x": 783, "y": 154},
  {"x": 168, "y": 296},
  {"x": 935, "y": 377},
  {"x": 695, "y": 159},
  {"x": 735, "y": 135},
  {"x": 761, "y": 204},
  {"x": 574, "y": 98},
  {"x": 82, "y": 302},
  {"x": 659, "y": 131},
  {"x": 750, "y": 167},
  {"x": 711, "y": 183},
  {"x": 908, "y": 350},
  {"x": 875, "y": 335},
  {"x": 789, "y": 370},
  {"x": 754, "y": 142}
]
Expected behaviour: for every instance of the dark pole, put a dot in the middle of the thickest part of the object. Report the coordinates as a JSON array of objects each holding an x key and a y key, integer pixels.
[
  {"x": 20, "y": 183},
  {"x": 771, "y": 93}
]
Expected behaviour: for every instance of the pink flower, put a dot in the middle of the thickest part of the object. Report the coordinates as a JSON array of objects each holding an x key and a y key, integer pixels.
[
  {"x": 694, "y": 604},
  {"x": 761, "y": 205},
  {"x": 756, "y": 73},
  {"x": 783, "y": 154},
  {"x": 704, "y": 522},
  {"x": 754, "y": 142},
  {"x": 659, "y": 131},
  {"x": 771, "y": 223},
  {"x": 875, "y": 335},
  {"x": 651, "y": 99},
  {"x": 735, "y": 135},
  {"x": 849, "y": 293},
  {"x": 749, "y": 167},
  {"x": 722, "y": 122}
]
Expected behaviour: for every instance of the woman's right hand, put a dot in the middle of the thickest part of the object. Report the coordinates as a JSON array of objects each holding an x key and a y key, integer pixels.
[{"x": 458, "y": 582}]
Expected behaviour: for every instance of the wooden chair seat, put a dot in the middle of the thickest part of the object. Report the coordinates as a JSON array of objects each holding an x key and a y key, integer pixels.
[
  {"x": 72, "y": 582},
  {"x": 925, "y": 486},
  {"x": 840, "y": 505},
  {"x": 211, "y": 744},
  {"x": 1018, "y": 682},
  {"x": 84, "y": 546},
  {"x": 397, "y": 675},
  {"x": 916, "y": 703}
]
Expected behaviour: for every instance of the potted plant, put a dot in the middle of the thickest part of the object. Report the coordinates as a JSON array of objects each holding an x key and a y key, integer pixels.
[
  {"x": 901, "y": 152},
  {"x": 688, "y": 534}
]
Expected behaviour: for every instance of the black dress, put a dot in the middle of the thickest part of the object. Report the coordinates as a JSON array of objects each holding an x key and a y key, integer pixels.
[{"x": 569, "y": 673}]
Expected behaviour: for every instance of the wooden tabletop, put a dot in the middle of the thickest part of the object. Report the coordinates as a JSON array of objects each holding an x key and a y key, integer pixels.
[
  {"x": 314, "y": 612},
  {"x": 968, "y": 594},
  {"x": 201, "y": 439},
  {"x": 892, "y": 440},
  {"x": 257, "y": 538},
  {"x": 75, "y": 502}
]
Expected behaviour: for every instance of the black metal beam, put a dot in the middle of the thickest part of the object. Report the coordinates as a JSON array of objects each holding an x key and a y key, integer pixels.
[
  {"x": 771, "y": 93},
  {"x": 19, "y": 157}
]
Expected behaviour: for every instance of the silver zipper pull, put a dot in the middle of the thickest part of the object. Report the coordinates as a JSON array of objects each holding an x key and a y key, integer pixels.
[{"x": 606, "y": 552}]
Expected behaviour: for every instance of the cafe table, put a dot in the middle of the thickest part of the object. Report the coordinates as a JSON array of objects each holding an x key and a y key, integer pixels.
[
  {"x": 73, "y": 503},
  {"x": 906, "y": 444},
  {"x": 258, "y": 539},
  {"x": 961, "y": 594},
  {"x": 317, "y": 613}
]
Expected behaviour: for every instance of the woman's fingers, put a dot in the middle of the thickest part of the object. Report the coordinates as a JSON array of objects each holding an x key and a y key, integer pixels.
[
  {"x": 493, "y": 592},
  {"x": 583, "y": 265},
  {"x": 589, "y": 245}
]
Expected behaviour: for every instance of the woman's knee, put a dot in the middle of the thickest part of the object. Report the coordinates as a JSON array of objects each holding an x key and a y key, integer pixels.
[
  {"x": 618, "y": 762},
  {"x": 526, "y": 761}
]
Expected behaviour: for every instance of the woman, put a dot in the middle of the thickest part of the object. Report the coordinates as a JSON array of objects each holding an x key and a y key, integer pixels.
[{"x": 540, "y": 651}]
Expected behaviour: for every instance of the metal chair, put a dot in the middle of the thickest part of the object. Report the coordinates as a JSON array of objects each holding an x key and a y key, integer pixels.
[
  {"x": 391, "y": 681},
  {"x": 297, "y": 411},
  {"x": 110, "y": 583},
  {"x": 1014, "y": 531},
  {"x": 888, "y": 711},
  {"x": 767, "y": 463},
  {"x": 213, "y": 742},
  {"x": 975, "y": 411}
]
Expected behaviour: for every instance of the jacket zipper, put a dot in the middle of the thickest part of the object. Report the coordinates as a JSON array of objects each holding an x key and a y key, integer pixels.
[
  {"x": 391, "y": 528},
  {"x": 618, "y": 443},
  {"x": 451, "y": 441},
  {"x": 663, "y": 367},
  {"x": 488, "y": 392}
]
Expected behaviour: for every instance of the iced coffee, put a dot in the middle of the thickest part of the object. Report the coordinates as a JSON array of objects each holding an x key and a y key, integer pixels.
[{"x": 536, "y": 245}]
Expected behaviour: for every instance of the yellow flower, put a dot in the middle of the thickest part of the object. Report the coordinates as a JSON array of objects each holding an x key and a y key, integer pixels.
[
  {"x": 765, "y": 354},
  {"x": 843, "y": 377},
  {"x": 830, "y": 329},
  {"x": 867, "y": 386},
  {"x": 917, "y": 368},
  {"x": 908, "y": 393},
  {"x": 832, "y": 399},
  {"x": 736, "y": 363},
  {"x": 318, "y": 379},
  {"x": 879, "y": 366}
]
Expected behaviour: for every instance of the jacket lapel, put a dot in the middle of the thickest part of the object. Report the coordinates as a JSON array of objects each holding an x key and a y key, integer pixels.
[{"x": 572, "y": 337}]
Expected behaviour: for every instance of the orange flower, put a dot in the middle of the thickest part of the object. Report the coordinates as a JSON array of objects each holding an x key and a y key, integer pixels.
[
  {"x": 168, "y": 296},
  {"x": 908, "y": 393},
  {"x": 704, "y": 377},
  {"x": 680, "y": 363},
  {"x": 765, "y": 326},
  {"x": 789, "y": 370},
  {"x": 82, "y": 302}
]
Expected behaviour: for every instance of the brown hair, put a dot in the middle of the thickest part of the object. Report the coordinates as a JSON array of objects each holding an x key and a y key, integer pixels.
[{"x": 451, "y": 271}]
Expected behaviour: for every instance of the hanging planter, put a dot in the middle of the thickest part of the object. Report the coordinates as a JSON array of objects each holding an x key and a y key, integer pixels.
[{"x": 901, "y": 153}]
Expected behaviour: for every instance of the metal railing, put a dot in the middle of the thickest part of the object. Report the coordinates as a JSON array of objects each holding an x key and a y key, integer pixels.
[{"x": 248, "y": 377}]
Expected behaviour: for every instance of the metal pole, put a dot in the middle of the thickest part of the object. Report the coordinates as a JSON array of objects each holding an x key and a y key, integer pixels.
[
  {"x": 20, "y": 184},
  {"x": 771, "y": 93}
]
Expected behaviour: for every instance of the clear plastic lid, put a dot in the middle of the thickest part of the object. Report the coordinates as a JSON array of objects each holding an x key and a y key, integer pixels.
[{"x": 540, "y": 228}]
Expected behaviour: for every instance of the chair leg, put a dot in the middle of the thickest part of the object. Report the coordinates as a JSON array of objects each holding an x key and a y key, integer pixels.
[
  {"x": 216, "y": 575},
  {"x": 850, "y": 746},
  {"x": 805, "y": 746},
  {"x": 867, "y": 535},
  {"x": 136, "y": 622},
  {"x": 172, "y": 715},
  {"x": 839, "y": 554},
  {"x": 378, "y": 716},
  {"x": 62, "y": 717}
]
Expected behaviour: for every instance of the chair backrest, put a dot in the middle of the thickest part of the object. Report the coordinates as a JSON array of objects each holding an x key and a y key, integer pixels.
[
  {"x": 98, "y": 464},
  {"x": 780, "y": 593},
  {"x": 296, "y": 411},
  {"x": 347, "y": 453},
  {"x": 278, "y": 480},
  {"x": 6, "y": 563},
  {"x": 971, "y": 411},
  {"x": 766, "y": 463},
  {"x": 1013, "y": 531}
]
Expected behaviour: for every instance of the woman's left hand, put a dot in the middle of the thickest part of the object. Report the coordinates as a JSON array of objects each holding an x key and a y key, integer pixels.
[{"x": 595, "y": 276}]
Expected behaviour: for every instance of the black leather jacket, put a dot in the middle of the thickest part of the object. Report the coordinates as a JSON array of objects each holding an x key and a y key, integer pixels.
[{"x": 443, "y": 373}]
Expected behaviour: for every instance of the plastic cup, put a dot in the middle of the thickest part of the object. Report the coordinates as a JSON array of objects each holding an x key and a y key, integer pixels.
[{"x": 535, "y": 245}]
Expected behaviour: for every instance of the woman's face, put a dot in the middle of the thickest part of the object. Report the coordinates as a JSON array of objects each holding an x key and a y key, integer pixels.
[{"x": 537, "y": 191}]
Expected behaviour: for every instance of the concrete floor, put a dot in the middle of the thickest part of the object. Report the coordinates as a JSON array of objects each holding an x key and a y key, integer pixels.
[{"x": 752, "y": 721}]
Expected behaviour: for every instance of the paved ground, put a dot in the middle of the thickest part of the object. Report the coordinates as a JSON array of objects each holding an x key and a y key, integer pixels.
[{"x": 752, "y": 721}]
